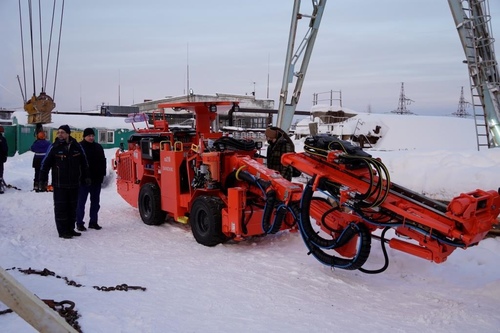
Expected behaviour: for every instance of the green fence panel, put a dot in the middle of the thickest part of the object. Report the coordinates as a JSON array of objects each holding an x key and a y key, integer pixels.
[
  {"x": 21, "y": 137},
  {"x": 11, "y": 135}
]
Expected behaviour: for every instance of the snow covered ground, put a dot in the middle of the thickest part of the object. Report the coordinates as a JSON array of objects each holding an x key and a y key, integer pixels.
[{"x": 266, "y": 284}]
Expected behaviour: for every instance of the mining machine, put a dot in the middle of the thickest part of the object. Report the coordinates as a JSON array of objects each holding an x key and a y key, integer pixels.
[{"x": 203, "y": 177}]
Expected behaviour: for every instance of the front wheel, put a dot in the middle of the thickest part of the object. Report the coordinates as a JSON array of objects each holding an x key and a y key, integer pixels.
[
  {"x": 206, "y": 220},
  {"x": 150, "y": 204}
]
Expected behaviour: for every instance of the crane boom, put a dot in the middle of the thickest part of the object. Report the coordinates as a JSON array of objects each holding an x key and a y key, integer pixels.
[
  {"x": 472, "y": 21},
  {"x": 287, "y": 110}
]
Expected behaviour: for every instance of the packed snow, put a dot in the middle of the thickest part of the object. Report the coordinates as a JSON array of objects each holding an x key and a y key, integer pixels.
[{"x": 264, "y": 284}]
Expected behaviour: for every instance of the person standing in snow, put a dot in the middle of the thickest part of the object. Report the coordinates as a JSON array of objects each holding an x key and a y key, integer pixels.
[
  {"x": 39, "y": 147},
  {"x": 4, "y": 150},
  {"x": 97, "y": 170},
  {"x": 279, "y": 144},
  {"x": 67, "y": 160}
]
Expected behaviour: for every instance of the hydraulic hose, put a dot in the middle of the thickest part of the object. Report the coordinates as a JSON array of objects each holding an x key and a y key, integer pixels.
[
  {"x": 249, "y": 178},
  {"x": 376, "y": 188},
  {"x": 271, "y": 201},
  {"x": 379, "y": 188},
  {"x": 416, "y": 228},
  {"x": 386, "y": 257},
  {"x": 316, "y": 243},
  {"x": 271, "y": 228}
]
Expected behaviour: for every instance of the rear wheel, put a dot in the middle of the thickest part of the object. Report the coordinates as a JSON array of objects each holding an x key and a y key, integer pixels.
[
  {"x": 206, "y": 220},
  {"x": 150, "y": 204}
]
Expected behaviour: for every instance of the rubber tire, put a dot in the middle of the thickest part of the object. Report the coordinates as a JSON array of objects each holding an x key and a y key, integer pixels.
[
  {"x": 150, "y": 204},
  {"x": 206, "y": 220}
]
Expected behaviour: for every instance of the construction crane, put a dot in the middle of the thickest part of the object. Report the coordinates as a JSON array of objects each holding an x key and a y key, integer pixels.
[
  {"x": 286, "y": 109},
  {"x": 473, "y": 23}
]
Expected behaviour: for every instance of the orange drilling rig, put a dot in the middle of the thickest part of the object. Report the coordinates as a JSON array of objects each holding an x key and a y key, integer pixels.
[{"x": 200, "y": 176}]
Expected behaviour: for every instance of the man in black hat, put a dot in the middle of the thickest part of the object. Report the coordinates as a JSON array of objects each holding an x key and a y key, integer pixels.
[
  {"x": 97, "y": 171},
  {"x": 279, "y": 144},
  {"x": 67, "y": 160}
]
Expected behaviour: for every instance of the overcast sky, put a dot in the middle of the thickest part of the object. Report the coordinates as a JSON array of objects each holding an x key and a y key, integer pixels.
[{"x": 364, "y": 49}]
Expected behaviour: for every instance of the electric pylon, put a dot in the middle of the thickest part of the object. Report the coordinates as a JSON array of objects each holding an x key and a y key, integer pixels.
[
  {"x": 462, "y": 106},
  {"x": 403, "y": 102}
]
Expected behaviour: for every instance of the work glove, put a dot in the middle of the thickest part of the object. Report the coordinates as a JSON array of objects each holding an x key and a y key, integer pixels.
[
  {"x": 88, "y": 181},
  {"x": 42, "y": 186}
]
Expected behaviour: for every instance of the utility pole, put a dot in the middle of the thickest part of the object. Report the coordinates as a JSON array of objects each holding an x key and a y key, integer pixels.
[
  {"x": 81, "y": 98},
  {"x": 119, "y": 79},
  {"x": 268, "y": 59},
  {"x": 188, "y": 88}
]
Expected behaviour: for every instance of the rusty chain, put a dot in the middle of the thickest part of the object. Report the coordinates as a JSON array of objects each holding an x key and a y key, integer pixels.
[
  {"x": 47, "y": 272},
  {"x": 66, "y": 308},
  {"x": 120, "y": 287}
]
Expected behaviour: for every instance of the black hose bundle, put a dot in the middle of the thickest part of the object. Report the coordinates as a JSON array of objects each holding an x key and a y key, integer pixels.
[
  {"x": 320, "y": 145},
  {"x": 353, "y": 157},
  {"x": 228, "y": 143},
  {"x": 315, "y": 243},
  {"x": 270, "y": 228},
  {"x": 271, "y": 202}
]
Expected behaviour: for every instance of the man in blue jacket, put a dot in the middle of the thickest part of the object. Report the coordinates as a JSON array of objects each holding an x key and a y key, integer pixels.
[
  {"x": 39, "y": 147},
  {"x": 68, "y": 163}
]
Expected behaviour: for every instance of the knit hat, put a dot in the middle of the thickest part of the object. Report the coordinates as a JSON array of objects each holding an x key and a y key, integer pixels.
[
  {"x": 65, "y": 128},
  {"x": 88, "y": 131},
  {"x": 271, "y": 133},
  {"x": 41, "y": 135}
]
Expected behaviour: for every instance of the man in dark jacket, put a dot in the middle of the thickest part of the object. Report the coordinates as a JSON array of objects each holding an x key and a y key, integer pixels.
[
  {"x": 97, "y": 170},
  {"x": 67, "y": 160},
  {"x": 4, "y": 150},
  {"x": 279, "y": 144}
]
